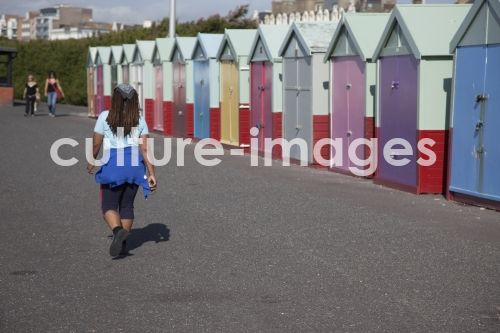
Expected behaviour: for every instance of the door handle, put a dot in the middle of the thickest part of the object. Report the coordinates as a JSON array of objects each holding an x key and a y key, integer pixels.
[
  {"x": 349, "y": 134},
  {"x": 348, "y": 86},
  {"x": 394, "y": 85},
  {"x": 480, "y": 150},
  {"x": 180, "y": 113},
  {"x": 481, "y": 98},
  {"x": 479, "y": 125}
]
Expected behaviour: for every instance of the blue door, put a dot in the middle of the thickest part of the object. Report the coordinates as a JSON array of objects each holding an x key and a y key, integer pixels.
[
  {"x": 468, "y": 121},
  {"x": 491, "y": 183},
  {"x": 201, "y": 100}
]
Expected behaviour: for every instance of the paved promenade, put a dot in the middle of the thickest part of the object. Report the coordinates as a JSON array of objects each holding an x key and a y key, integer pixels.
[{"x": 234, "y": 249}]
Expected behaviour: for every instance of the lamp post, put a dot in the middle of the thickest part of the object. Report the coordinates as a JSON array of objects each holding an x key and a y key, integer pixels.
[{"x": 171, "y": 31}]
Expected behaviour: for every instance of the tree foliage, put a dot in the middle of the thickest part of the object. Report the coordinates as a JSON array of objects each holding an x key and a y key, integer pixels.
[{"x": 68, "y": 58}]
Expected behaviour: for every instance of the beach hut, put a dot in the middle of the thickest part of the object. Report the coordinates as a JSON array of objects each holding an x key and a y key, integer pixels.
[
  {"x": 353, "y": 82},
  {"x": 143, "y": 75},
  {"x": 183, "y": 86},
  {"x": 306, "y": 88},
  {"x": 415, "y": 72},
  {"x": 117, "y": 57},
  {"x": 235, "y": 86},
  {"x": 475, "y": 150},
  {"x": 91, "y": 82},
  {"x": 266, "y": 85},
  {"x": 128, "y": 53},
  {"x": 206, "y": 86},
  {"x": 162, "y": 86},
  {"x": 103, "y": 79}
]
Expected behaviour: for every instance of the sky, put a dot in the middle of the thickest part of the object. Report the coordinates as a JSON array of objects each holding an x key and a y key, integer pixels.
[{"x": 137, "y": 11}]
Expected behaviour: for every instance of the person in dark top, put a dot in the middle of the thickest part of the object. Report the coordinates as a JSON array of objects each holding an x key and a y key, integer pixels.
[
  {"x": 52, "y": 88},
  {"x": 30, "y": 95}
]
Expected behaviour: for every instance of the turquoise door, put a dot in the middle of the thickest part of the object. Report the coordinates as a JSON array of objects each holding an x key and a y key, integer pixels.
[{"x": 201, "y": 100}]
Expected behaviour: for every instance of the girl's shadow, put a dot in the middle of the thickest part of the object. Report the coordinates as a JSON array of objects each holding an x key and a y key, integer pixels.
[{"x": 155, "y": 232}]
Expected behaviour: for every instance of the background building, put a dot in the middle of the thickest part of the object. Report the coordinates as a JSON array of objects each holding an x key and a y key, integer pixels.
[
  {"x": 10, "y": 26},
  {"x": 294, "y": 6},
  {"x": 54, "y": 23}
]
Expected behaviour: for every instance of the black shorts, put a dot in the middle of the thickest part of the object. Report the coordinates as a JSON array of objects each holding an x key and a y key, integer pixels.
[{"x": 119, "y": 199}]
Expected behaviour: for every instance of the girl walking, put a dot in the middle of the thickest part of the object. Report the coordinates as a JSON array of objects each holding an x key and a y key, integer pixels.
[
  {"x": 52, "y": 90},
  {"x": 30, "y": 95},
  {"x": 123, "y": 131}
]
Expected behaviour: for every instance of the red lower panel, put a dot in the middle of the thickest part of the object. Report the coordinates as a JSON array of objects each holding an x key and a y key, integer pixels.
[
  {"x": 167, "y": 117},
  {"x": 379, "y": 148},
  {"x": 107, "y": 102},
  {"x": 215, "y": 123},
  {"x": 369, "y": 134},
  {"x": 277, "y": 133},
  {"x": 432, "y": 179},
  {"x": 321, "y": 130},
  {"x": 96, "y": 109},
  {"x": 190, "y": 120},
  {"x": 149, "y": 107},
  {"x": 244, "y": 126},
  {"x": 6, "y": 96}
]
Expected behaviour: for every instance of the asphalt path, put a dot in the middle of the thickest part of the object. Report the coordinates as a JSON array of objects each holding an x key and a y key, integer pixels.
[{"x": 234, "y": 248}]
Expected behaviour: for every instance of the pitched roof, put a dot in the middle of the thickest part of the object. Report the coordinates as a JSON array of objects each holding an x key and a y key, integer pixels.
[
  {"x": 238, "y": 41},
  {"x": 493, "y": 5},
  {"x": 365, "y": 29},
  {"x": 272, "y": 37},
  {"x": 91, "y": 56},
  {"x": 209, "y": 43},
  {"x": 129, "y": 50},
  {"x": 164, "y": 46},
  {"x": 146, "y": 48},
  {"x": 427, "y": 28},
  {"x": 185, "y": 46},
  {"x": 117, "y": 52},
  {"x": 313, "y": 36},
  {"x": 103, "y": 53}
]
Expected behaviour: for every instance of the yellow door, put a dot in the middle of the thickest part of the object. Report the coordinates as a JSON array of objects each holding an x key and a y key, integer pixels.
[
  {"x": 90, "y": 91},
  {"x": 234, "y": 92},
  {"x": 225, "y": 82}
]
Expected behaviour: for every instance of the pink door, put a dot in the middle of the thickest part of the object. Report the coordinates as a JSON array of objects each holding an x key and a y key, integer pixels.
[
  {"x": 125, "y": 73},
  {"x": 158, "y": 113},
  {"x": 99, "y": 105},
  {"x": 348, "y": 113},
  {"x": 261, "y": 101}
]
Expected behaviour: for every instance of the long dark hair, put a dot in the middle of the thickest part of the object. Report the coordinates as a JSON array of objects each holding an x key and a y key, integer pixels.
[
  {"x": 123, "y": 113},
  {"x": 52, "y": 73}
]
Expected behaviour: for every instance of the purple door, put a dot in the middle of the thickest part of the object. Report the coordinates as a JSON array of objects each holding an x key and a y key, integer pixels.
[
  {"x": 348, "y": 114},
  {"x": 256, "y": 97},
  {"x": 179, "y": 108},
  {"x": 398, "y": 117},
  {"x": 100, "y": 91}
]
